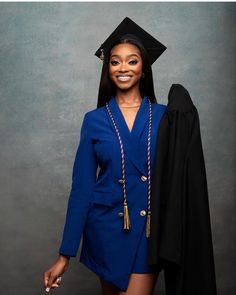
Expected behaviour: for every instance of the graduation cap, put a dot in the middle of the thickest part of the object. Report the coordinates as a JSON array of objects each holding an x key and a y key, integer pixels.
[{"x": 127, "y": 26}]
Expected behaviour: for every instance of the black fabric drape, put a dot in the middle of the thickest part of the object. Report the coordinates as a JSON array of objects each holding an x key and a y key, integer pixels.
[{"x": 181, "y": 239}]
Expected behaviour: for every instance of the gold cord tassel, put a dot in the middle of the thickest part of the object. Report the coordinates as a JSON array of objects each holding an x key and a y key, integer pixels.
[
  {"x": 127, "y": 224},
  {"x": 148, "y": 225}
]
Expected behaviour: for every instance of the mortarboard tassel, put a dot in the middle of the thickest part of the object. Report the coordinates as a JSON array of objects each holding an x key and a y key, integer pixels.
[
  {"x": 102, "y": 56},
  {"x": 127, "y": 224}
]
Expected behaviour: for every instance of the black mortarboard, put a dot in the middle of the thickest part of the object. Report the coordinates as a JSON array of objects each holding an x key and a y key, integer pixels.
[{"x": 127, "y": 26}]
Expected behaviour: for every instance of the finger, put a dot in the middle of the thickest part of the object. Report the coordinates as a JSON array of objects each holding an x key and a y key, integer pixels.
[
  {"x": 47, "y": 286},
  {"x": 52, "y": 279},
  {"x": 54, "y": 285},
  {"x": 46, "y": 279},
  {"x": 57, "y": 282}
]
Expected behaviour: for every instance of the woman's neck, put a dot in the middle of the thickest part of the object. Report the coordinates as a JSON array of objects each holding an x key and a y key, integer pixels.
[{"x": 128, "y": 98}]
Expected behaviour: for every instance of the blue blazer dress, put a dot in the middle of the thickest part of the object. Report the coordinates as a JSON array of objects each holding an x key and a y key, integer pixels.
[{"x": 95, "y": 203}]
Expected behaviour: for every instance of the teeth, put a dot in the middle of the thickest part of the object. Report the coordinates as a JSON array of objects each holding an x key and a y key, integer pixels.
[{"x": 124, "y": 78}]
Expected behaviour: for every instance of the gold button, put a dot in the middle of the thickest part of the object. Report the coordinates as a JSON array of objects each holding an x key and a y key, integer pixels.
[
  {"x": 144, "y": 178},
  {"x": 142, "y": 212},
  {"x": 120, "y": 214},
  {"x": 120, "y": 180}
]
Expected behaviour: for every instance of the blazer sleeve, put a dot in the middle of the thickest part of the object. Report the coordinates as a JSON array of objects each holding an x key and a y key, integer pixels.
[{"x": 83, "y": 179}]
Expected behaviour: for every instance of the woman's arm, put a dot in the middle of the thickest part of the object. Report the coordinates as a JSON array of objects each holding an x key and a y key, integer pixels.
[{"x": 83, "y": 179}]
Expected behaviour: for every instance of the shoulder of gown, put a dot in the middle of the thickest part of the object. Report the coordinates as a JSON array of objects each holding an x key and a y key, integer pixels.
[{"x": 179, "y": 98}]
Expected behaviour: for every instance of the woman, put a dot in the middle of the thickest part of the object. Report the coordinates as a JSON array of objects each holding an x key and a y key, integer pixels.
[{"x": 112, "y": 210}]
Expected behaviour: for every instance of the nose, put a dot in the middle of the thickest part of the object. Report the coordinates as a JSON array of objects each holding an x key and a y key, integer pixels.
[{"x": 123, "y": 68}]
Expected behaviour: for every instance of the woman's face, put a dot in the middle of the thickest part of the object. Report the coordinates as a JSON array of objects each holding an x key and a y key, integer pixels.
[{"x": 125, "y": 65}]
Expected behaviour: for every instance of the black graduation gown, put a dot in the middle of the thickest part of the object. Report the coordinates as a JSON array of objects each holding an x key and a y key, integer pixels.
[{"x": 181, "y": 239}]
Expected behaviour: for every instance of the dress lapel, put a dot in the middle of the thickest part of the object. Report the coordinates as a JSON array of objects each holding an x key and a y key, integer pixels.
[{"x": 132, "y": 140}]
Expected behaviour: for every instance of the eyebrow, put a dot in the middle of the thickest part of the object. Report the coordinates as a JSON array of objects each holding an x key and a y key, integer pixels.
[{"x": 132, "y": 54}]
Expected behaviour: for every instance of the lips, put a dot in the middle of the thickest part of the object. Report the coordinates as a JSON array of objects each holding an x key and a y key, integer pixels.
[{"x": 123, "y": 77}]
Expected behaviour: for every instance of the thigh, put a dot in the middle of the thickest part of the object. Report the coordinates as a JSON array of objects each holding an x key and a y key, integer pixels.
[
  {"x": 141, "y": 284},
  {"x": 108, "y": 288}
]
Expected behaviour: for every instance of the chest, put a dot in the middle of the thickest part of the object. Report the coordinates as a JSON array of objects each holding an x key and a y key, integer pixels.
[
  {"x": 133, "y": 128},
  {"x": 129, "y": 115}
]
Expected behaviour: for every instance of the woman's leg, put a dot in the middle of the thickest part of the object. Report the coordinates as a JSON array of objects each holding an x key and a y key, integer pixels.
[
  {"x": 141, "y": 284},
  {"x": 108, "y": 288}
]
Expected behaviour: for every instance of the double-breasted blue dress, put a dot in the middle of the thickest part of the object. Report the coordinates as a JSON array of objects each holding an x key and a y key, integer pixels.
[{"x": 95, "y": 202}]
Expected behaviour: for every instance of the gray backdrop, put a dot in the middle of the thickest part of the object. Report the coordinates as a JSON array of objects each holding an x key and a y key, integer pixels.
[{"x": 49, "y": 78}]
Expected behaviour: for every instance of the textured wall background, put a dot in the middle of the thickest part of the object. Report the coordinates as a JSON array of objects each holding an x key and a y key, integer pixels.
[{"x": 49, "y": 78}]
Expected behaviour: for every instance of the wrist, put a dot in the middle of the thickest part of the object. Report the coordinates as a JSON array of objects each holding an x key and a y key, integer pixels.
[{"x": 63, "y": 258}]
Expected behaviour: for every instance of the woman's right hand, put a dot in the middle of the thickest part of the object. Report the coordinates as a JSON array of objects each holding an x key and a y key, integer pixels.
[{"x": 55, "y": 271}]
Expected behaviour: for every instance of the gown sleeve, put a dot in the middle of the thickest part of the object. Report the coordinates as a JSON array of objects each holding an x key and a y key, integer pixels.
[{"x": 83, "y": 179}]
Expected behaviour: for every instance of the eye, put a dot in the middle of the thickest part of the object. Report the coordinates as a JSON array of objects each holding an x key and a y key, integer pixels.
[
  {"x": 134, "y": 62},
  {"x": 113, "y": 62}
]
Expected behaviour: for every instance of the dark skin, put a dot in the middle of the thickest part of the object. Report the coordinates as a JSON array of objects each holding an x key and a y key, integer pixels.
[
  {"x": 57, "y": 269},
  {"x": 125, "y": 60}
]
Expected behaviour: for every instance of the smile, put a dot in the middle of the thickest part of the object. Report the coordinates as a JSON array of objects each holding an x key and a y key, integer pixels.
[{"x": 124, "y": 78}]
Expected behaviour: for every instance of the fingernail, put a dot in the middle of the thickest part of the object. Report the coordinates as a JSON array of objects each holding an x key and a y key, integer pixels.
[{"x": 47, "y": 289}]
